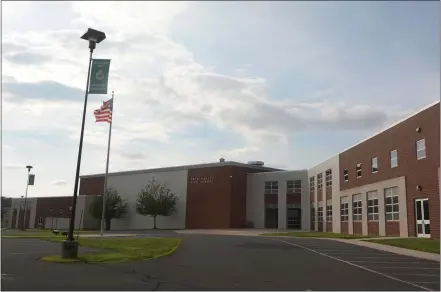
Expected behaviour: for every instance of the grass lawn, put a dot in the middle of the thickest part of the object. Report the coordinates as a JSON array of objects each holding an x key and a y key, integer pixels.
[
  {"x": 119, "y": 250},
  {"x": 36, "y": 233},
  {"x": 421, "y": 244},
  {"x": 316, "y": 234}
]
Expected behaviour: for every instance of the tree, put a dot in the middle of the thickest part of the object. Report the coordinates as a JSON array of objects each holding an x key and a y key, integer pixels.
[
  {"x": 5, "y": 204},
  {"x": 116, "y": 207},
  {"x": 156, "y": 199}
]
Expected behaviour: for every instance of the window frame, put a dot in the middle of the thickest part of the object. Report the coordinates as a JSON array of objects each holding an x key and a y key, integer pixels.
[
  {"x": 393, "y": 158},
  {"x": 372, "y": 216},
  {"x": 423, "y": 149},
  {"x": 345, "y": 175},
  {"x": 357, "y": 208},
  {"x": 296, "y": 187},
  {"x": 319, "y": 181},
  {"x": 312, "y": 183},
  {"x": 374, "y": 167},
  {"x": 328, "y": 177},
  {"x": 329, "y": 211},
  {"x": 358, "y": 170},
  {"x": 392, "y": 193},
  {"x": 344, "y": 209},
  {"x": 271, "y": 190},
  {"x": 320, "y": 213},
  {"x": 313, "y": 219},
  {"x": 40, "y": 220}
]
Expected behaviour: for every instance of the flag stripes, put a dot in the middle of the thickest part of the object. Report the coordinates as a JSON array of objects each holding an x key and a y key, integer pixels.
[{"x": 104, "y": 113}]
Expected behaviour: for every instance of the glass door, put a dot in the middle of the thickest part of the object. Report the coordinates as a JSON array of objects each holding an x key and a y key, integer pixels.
[{"x": 422, "y": 217}]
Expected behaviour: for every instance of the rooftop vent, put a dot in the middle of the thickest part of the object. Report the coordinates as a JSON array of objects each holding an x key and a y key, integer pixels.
[
  {"x": 222, "y": 160},
  {"x": 258, "y": 163}
]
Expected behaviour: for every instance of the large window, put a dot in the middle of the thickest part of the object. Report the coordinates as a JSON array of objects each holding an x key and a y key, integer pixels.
[
  {"x": 391, "y": 204},
  {"x": 294, "y": 186},
  {"x": 372, "y": 206},
  {"x": 320, "y": 212},
  {"x": 272, "y": 187},
  {"x": 421, "y": 149},
  {"x": 374, "y": 164},
  {"x": 356, "y": 207},
  {"x": 393, "y": 158},
  {"x": 312, "y": 214},
  {"x": 329, "y": 177},
  {"x": 311, "y": 183},
  {"x": 358, "y": 169},
  {"x": 319, "y": 181},
  {"x": 346, "y": 174},
  {"x": 344, "y": 208},
  {"x": 329, "y": 211}
]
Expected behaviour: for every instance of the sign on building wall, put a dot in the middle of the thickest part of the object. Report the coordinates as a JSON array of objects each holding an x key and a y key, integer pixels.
[{"x": 202, "y": 180}]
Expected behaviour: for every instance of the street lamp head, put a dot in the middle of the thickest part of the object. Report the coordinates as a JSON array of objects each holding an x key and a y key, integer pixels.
[
  {"x": 93, "y": 37},
  {"x": 29, "y": 167}
]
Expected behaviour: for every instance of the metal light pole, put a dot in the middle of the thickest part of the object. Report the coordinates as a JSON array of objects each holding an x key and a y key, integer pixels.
[
  {"x": 29, "y": 167},
  {"x": 70, "y": 246}
]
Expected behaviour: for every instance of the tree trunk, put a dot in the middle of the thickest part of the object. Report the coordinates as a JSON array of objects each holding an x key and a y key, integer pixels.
[
  {"x": 108, "y": 220},
  {"x": 154, "y": 222}
]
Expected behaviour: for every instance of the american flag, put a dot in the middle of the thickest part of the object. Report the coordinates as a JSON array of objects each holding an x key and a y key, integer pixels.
[{"x": 104, "y": 113}]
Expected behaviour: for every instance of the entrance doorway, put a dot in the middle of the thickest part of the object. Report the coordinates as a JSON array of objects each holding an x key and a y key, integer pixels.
[
  {"x": 294, "y": 218},
  {"x": 271, "y": 217},
  {"x": 422, "y": 217}
]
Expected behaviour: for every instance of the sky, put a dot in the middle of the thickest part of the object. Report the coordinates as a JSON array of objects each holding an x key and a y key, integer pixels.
[{"x": 287, "y": 83}]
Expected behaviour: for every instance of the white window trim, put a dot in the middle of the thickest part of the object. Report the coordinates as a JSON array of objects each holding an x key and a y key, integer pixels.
[
  {"x": 328, "y": 174},
  {"x": 320, "y": 181},
  {"x": 346, "y": 176},
  {"x": 344, "y": 201},
  {"x": 391, "y": 195},
  {"x": 357, "y": 199},
  {"x": 395, "y": 158},
  {"x": 272, "y": 190},
  {"x": 372, "y": 195},
  {"x": 356, "y": 170},
  {"x": 422, "y": 149},
  {"x": 312, "y": 183},
  {"x": 372, "y": 164}
]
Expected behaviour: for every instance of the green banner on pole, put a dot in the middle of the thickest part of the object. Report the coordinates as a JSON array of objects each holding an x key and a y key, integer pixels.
[{"x": 99, "y": 76}]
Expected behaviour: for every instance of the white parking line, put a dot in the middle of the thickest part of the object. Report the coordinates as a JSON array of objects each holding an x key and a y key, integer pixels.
[
  {"x": 355, "y": 265},
  {"x": 418, "y": 275}
]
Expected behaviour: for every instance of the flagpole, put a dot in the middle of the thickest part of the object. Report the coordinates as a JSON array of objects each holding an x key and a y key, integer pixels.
[{"x": 107, "y": 171}]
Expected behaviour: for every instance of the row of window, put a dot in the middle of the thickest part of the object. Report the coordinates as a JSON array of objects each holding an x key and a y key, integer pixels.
[
  {"x": 390, "y": 200},
  {"x": 393, "y": 155},
  {"x": 328, "y": 180},
  {"x": 292, "y": 187}
]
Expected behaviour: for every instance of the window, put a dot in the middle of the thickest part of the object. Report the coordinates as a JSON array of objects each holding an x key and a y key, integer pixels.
[
  {"x": 358, "y": 169},
  {"x": 356, "y": 207},
  {"x": 346, "y": 174},
  {"x": 421, "y": 149},
  {"x": 329, "y": 211},
  {"x": 344, "y": 209},
  {"x": 319, "y": 181},
  {"x": 372, "y": 206},
  {"x": 312, "y": 214},
  {"x": 320, "y": 213},
  {"x": 294, "y": 186},
  {"x": 329, "y": 177},
  {"x": 391, "y": 204},
  {"x": 393, "y": 158},
  {"x": 311, "y": 184},
  {"x": 374, "y": 164},
  {"x": 40, "y": 220},
  {"x": 271, "y": 187}
]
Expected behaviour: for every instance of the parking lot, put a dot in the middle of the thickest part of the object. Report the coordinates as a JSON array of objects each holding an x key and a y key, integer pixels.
[{"x": 422, "y": 274}]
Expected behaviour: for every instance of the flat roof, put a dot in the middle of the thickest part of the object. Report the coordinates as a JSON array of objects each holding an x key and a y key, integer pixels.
[{"x": 185, "y": 167}]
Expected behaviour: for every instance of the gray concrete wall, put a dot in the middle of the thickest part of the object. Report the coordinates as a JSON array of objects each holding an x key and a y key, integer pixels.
[
  {"x": 331, "y": 163},
  {"x": 130, "y": 185},
  {"x": 256, "y": 196}
]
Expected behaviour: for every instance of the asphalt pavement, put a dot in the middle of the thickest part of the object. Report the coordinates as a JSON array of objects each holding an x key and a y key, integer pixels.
[{"x": 223, "y": 262}]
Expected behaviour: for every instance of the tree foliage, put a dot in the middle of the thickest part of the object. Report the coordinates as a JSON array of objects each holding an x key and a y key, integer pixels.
[
  {"x": 5, "y": 204},
  {"x": 116, "y": 207},
  {"x": 156, "y": 199}
]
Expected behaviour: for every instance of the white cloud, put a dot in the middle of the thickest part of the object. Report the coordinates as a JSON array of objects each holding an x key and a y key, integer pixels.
[{"x": 59, "y": 182}]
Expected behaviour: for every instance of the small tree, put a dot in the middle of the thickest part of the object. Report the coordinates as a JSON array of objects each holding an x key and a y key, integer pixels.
[
  {"x": 156, "y": 199},
  {"x": 116, "y": 207}
]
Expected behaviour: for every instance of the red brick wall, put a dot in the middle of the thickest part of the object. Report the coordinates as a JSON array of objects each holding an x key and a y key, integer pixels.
[
  {"x": 328, "y": 226},
  {"x": 344, "y": 228},
  {"x": 44, "y": 206},
  {"x": 357, "y": 228},
  {"x": 422, "y": 172},
  {"x": 320, "y": 195},
  {"x": 392, "y": 228},
  {"x": 328, "y": 193},
  {"x": 373, "y": 229},
  {"x": 92, "y": 185}
]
